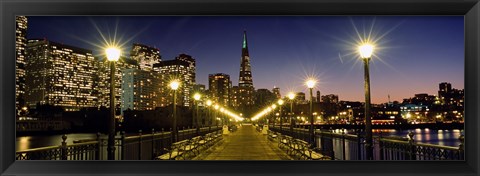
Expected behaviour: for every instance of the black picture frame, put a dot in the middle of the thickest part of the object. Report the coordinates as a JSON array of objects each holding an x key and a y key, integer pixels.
[{"x": 10, "y": 8}]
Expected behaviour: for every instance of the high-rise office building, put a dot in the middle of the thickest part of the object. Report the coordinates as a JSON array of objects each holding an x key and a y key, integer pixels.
[
  {"x": 219, "y": 86},
  {"x": 276, "y": 91},
  {"x": 59, "y": 75},
  {"x": 200, "y": 88},
  {"x": 141, "y": 89},
  {"x": 145, "y": 56},
  {"x": 245, "y": 84},
  {"x": 20, "y": 46},
  {"x": 181, "y": 68},
  {"x": 235, "y": 97},
  {"x": 102, "y": 80},
  {"x": 191, "y": 66},
  {"x": 318, "y": 98}
]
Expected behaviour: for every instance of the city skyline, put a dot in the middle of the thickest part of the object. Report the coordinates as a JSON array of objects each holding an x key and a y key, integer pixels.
[{"x": 216, "y": 41}]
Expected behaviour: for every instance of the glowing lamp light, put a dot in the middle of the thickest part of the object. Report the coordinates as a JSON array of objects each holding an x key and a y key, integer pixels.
[
  {"x": 280, "y": 102},
  {"x": 291, "y": 95},
  {"x": 274, "y": 106},
  {"x": 197, "y": 96},
  {"x": 216, "y": 106},
  {"x": 113, "y": 54},
  {"x": 174, "y": 84},
  {"x": 310, "y": 83},
  {"x": 209, "y": 102},
  {"x": 366, "y": 50}
]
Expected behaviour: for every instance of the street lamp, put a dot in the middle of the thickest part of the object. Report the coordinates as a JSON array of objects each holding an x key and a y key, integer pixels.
[
  {"x": 267, "y": 112},
  {"x": 197, "y": 97},
  {"x": 280, "y": 103},
  {"x": 273, "y": 115},
  {"x": 366, "y": 51},
  {"x": 291, "y": 96},
  {"x": 113, "y": 54},
  {"x": 174, "y": 86},
  {"x": 224, "y": 120},
  {"x": 310, "y": 84},
  {"x": 209, "y": 114},
  {"x": 216, "y": 112}
]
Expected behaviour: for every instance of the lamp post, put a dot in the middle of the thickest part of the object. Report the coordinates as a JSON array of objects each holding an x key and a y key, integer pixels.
[
  {"x": 280, "y": 103},
  {"x": 216, "y": 113},
  {"x": 174, "y": 86},
  {"x": 273, "y": 115},
  {"x": 291, "y": 96},
  {"x": 310, "y": 84},
  {"x": 366, "y": 51},
  {"x": 267, "y": 113},
  {"x": 209, "y": 114},
  {"x": 224, "y": 121},
  {"x": 197, "y": 97},
  {"x": 113, "y": 54}
]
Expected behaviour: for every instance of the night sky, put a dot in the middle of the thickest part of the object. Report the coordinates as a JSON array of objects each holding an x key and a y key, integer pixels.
[{"x": 413, "y": 54}]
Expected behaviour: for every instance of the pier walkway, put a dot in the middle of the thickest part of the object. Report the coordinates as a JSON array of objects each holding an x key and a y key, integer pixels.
[{"x": 244, "y": 144}]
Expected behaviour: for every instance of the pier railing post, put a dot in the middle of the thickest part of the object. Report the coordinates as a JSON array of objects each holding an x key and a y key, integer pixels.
[
  {"x": 461, "y": 148},
  {"x": 330, "y": 147},
  {"x": 122, "y": 144},
  {"x": 153, "y": 143},
  {"x": 380, "y": 146},
  {"x": 411, "y": 143},
  {"x": 99, "y": 147},
  {"x": 183, "y": 133},
  {"x": 173, "y": 136},
  {"x": 64, "y": 147},
  {"x": 343, "y": 144},
  {"x": 162, "y": 140},
  {"x": 359, "y": 145},
  {"x": 139, "y": 144}
]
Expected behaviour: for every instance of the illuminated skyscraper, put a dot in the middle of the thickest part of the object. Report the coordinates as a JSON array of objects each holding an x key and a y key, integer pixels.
[
  {"x": 20, "y": 46},
  {"x": 191, "y": 66},
  {"x": 318, "y": 98},
  {"x": 183, "y": 69},
  {"x": 102, "y": 80},
  {"x": 200, "y": 88},
  {"x": 276, "y": 91},
  {"x": 59, "y": 75},
  {"x": 145, "y": 56},
  {"x": 141, "y": 89},
  {"x": 245, "y": 84},
  {"x": 219, "y": 86},
  {"x": 234, "y": 97}
]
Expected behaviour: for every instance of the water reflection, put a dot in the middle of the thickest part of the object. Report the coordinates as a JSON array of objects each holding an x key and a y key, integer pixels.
[
  {"x": 438, "y": 137},
  {"x": 353, "y": 151},
  {"x": 29, "y": 142}
]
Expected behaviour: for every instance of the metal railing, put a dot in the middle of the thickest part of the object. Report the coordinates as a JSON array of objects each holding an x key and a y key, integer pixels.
[
  {"x": 342, "y": 146},
  {"x": 137, "y": 147}
]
